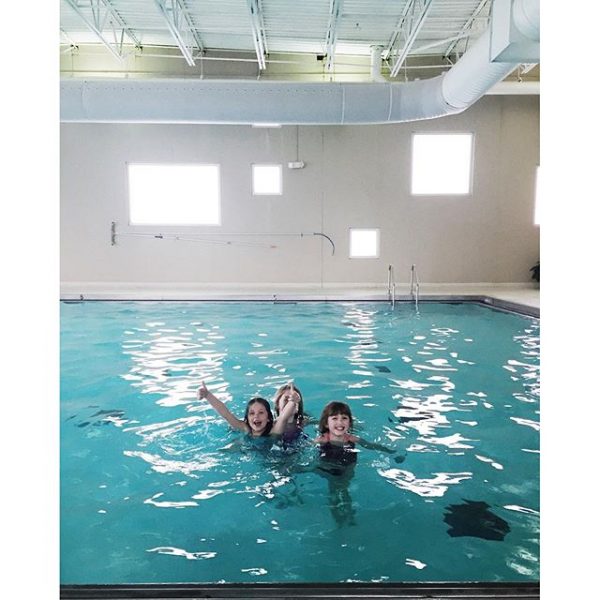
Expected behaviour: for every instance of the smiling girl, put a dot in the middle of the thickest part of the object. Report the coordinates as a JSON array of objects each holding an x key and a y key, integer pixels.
[
  {"x": 258, "y": 418},
  {"x": 337, "y": 457},
  {"x": 336, "y": 443}
]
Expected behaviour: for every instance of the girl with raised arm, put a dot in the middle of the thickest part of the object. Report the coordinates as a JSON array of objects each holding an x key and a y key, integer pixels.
[
  {"x": 258, "y": 418},
  {"x": 293, "y": 426}
]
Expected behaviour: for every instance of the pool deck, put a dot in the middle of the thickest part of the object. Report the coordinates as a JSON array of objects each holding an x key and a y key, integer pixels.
[{"x": 524, "y": 295}]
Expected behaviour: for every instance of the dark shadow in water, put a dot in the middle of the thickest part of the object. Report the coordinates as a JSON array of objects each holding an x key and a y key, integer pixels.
[
  {"x": 413, "y": 419},
  {"x": 101, "y": 417},
  {"x": 474, "y": 519}
]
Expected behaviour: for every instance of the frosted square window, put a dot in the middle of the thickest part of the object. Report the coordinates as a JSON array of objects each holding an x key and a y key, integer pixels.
[
  {"x": 266, "y": 179},
  {"x": 162, "y": 194},
  {"x": 364, "y": 243},
  {"x": 441, "y": 163}
]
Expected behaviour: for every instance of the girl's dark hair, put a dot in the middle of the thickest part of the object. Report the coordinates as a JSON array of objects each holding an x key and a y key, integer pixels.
[
  {"x": 285, "y": 388},
  {"x": 269, "y": 414},
  {"x": 333, "y": 408}
]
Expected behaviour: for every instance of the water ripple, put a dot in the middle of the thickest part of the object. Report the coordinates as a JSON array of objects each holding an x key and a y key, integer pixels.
[
  {"x": 491, "y": 461},
  {"x": 181, "y": 552},
  {"x": 522, "y": 509},
  {"x": 411, "y": 562},
  {"x": 527, "y": 422},
  {"x": 168, "y": 503},
  {"x": 155, "y": 431},
  {"x": 435, "y": 487},
  {"x": 162, "y": 465},
  {"x": 451, "y": 441},
  {"x": 255, "y": 571}
]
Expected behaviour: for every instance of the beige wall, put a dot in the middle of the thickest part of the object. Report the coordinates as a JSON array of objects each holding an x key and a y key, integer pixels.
[{"x": 355, "y": 176}]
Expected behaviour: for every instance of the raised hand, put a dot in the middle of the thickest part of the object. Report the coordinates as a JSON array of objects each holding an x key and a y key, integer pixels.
[{"x": 202, "y": 391}]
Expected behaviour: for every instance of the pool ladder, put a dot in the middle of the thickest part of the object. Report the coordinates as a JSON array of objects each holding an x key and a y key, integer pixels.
[
  {"x": 414, "y": 285},
  {"x": 391, "y": 286}
]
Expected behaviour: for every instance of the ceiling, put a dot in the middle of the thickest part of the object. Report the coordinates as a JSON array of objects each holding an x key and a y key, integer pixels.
[{"x": 305, "y": 40}]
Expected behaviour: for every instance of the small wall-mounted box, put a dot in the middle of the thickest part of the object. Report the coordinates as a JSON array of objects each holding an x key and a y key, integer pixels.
[{"x": 299, "y": 164}]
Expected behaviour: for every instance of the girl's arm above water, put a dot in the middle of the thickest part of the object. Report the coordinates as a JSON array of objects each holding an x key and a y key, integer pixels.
[
  {"x": 381, "y": 448},
  {"x": 204, "y": 393},
  {"x": 289, "y": 410}
]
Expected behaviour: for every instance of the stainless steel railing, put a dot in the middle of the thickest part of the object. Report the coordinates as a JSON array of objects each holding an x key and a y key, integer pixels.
[
  {"x": 414, "y": 285},
  {"x": 391, "y": 286}
]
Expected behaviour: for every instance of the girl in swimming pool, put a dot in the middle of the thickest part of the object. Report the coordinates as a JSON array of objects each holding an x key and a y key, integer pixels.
[
  {"x": 337, "y": 456},
  {"x": 335, "y": 440},
  {"x": 293, "y": 426},
  {"x": 258, "y": 418}
]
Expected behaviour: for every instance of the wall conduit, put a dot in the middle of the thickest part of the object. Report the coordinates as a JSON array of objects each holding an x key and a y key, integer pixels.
[{"x": 214, "y": 238}]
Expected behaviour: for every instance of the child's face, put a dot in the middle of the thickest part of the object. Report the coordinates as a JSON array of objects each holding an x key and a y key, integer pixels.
[
  {"x": 258, "y": 418},
  {"x": 286, "y": 397},
  {"x": 338, "y": 425}
]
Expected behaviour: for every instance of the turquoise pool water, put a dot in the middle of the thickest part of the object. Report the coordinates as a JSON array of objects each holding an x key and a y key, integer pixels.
[{"x": 155, "y": 488}]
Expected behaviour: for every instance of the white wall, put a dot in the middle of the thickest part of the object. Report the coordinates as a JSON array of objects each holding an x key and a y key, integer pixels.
[{"x": 355, "y": 176}]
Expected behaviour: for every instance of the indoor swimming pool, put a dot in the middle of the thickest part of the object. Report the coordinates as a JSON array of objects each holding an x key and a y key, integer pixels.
[{"x": 157, "y": 488}]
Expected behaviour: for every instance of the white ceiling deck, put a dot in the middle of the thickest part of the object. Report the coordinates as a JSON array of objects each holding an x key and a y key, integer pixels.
[{"x": 318, "y": 40}]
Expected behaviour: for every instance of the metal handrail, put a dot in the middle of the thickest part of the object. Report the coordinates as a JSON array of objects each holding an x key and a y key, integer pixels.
[
  {"x": 391, "y": 286},
  {"x": 414, "y": 285}
]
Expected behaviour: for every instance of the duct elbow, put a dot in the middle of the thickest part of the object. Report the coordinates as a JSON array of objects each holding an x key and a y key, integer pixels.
[{"x": 526, "y": 17}]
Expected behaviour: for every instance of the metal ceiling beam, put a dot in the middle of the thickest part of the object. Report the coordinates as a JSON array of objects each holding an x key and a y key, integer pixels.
[
  {"x": 399, "y": 26},
  {"x": 411, "y": 22},
  {"x": 121, "y": 22},
  {"x": 335, "y": 11},
  {"x": 466, "y": 27},
  {"x": 439, "y": 43},
  {"x": 102, "y": 11},
  {"x": 259, "y": 37},
  {"x": 180, "y": 25}
]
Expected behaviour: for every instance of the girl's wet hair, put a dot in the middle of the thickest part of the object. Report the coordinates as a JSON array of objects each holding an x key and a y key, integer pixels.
[
  {"x": 269, "y": 414},
  {"x": 282, "y": 390},
  {"x": 334, "y": 408}
]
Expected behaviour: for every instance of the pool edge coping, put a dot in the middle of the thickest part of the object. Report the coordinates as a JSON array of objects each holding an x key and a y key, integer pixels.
[
  {"x": 489, "y": 301},
  {"x": 439, "y": 590}
]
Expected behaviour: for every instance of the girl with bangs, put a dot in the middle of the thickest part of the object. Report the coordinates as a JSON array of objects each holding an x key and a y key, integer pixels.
[{"x": 337, "y": 458}]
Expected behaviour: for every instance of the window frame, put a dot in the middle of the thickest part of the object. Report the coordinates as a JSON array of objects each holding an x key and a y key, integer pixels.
[{"x": 469, "y": 192}]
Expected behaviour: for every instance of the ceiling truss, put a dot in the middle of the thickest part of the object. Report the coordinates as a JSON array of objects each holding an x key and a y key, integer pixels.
[
  {"x": 335, "y": 11},
  {"x": 181, "y": 27},
  {"x": 464, "y": 32},
  {"x": 405, "y": 34},
  {"x": 103, "y": 14},
  {"x": 259, "y": 37},
  {"x": 281, "y": 37}
]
